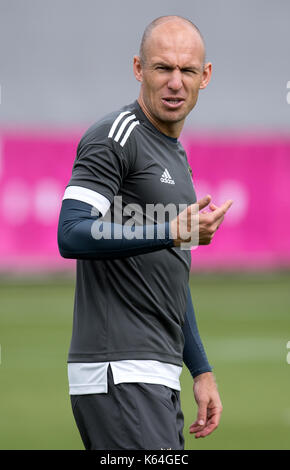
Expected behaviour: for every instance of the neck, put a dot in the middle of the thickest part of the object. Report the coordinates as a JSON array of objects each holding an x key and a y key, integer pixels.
[{"x": 170, "y": 129}]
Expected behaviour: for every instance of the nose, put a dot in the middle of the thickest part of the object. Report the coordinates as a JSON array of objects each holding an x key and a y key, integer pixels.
[{"x": 175, "y": 81}]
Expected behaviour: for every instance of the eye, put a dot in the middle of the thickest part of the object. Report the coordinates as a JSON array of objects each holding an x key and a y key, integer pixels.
[
  {"x": 189, "y": 71},
  {"x": 162, "y": 67}
]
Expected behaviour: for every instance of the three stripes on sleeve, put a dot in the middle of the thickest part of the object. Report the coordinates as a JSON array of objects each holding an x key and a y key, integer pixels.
[{"x": 122, "y": 128}]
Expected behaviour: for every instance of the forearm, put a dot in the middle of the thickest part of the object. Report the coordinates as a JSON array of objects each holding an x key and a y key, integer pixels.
[
  {"x": 77, "y": 238},
  {"x": 194, "y": 355}
]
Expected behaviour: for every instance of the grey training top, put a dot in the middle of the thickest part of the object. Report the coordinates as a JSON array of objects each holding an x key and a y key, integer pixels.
[{"x": 131, "y": 308}]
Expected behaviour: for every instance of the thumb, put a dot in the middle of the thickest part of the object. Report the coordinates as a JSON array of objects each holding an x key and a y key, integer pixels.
[
  {"x": 201, "y": 415},
  {"x": 202, "y": 203}
]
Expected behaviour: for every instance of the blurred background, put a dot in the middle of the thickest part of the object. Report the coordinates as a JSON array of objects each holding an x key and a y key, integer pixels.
[{"x": 63, "y": 65}]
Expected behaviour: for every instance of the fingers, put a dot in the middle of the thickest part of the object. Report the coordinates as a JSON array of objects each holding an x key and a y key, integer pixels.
[
  {"x": 210, "y": 424},
  {"x": 201, "y": 419},
  {"x": 213, "y": 207},
  {"x": 226, "y": 205},
  {"x": 195, "y": 427},
  {"x": 202, "y": 203},
  {"x": 206, "y": 431},
  {"x": 198, "y": 228},
  {"x": 201, "y": 415},
  {"x": 221, "y": 211},
  {"x": 203, "y": 431}
]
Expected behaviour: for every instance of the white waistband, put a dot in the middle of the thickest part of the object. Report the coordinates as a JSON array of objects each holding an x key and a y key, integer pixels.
[{"x": 91, "y": 377}]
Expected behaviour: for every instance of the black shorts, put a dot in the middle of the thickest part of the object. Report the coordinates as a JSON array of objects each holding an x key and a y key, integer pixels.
[{"x": 130, "y": 416}]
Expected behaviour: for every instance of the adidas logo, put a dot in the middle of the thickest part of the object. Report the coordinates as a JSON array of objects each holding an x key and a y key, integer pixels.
[{"x": 166, "y": 178}]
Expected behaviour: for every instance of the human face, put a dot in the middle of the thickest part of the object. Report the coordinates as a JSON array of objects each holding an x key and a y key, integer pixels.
[{"x": 172, "y": 75}]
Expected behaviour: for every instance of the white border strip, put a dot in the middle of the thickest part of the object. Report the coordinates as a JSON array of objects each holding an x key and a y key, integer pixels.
[{"x": 89, "y": 196}]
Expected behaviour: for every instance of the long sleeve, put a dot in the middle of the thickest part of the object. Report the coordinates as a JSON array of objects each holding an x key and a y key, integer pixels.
[
  {"x": 76, "y": 235},
  {"x": 194, "y": 355}
]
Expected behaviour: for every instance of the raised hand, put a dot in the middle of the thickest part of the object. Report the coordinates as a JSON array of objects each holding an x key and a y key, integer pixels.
[{"x": 198, "y": 228}]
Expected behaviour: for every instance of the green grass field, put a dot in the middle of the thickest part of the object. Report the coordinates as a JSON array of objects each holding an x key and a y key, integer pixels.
[{"x": 244, "y": 321}]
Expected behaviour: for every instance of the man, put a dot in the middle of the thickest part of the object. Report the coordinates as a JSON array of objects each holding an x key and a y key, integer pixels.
[{"x": 134, "y": 322}]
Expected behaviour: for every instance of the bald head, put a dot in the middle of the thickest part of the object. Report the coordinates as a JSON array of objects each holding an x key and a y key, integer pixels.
[
  {"x": 171, "y": 69},
  {"x": 173, "y": 22}
]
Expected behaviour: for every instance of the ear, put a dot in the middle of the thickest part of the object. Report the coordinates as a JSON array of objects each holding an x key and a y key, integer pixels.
[
  {"x": 207, "y": 70},
  {"x": 137, "y": 67}
]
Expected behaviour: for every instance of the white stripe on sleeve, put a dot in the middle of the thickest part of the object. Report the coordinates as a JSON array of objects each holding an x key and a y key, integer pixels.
[
  {"x": 89, "y": 196},
  {"x": 126, "y": 136},
  {"x": 116, "y": 122},
  {"x": 122, "y": 127}
]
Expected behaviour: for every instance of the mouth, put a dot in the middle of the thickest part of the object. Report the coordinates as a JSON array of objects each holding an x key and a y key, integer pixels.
[{"x": 172, "y": 102}]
